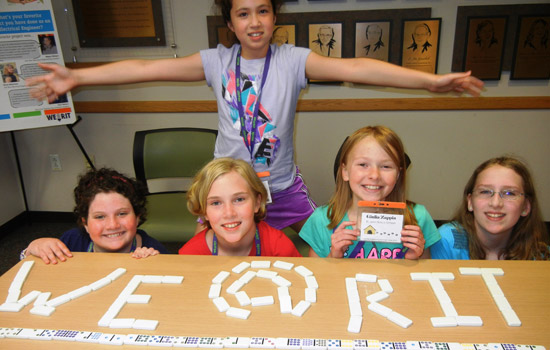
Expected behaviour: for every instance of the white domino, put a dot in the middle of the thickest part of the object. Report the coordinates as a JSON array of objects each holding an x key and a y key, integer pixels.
[
  {"x": 380, "y": 309},
  {"x": 497, "y": 271},
  {"x": 355, "y": 308},
  {"x": 221, "y": 304},
  {"x": 116, "y": 273},
  {"x": 421, "y": 276},
  {"x": 247, "y": 277},
  {"x": 29, "y": 298},
  {"x": 77, "y": 293},
  {"x": 448, "y": 309},
  {"x": 502, "y": 302},
  {"x": 149, "y": 325},
  {"x": 283, "y": 265},
  {"x": 172, "y": 279},
  {"x": 260, "y": 264},
  {"x": 354, "y": 325},
  {"x": 13, "y": 296},
  {"x": 283, "y": 291},
  {"x": 443, "y": 276},
  {"x": 511, "y": 318},
  {"x": 215, "y": 290},
  {"x": 243, "y": 298},
  {"x": 122, "y": 322},
  {"x": 221, "y": 277},
  {"x": 385, "y": 285},
  {"x": 62, "y": 299},
  {"x": 311, "y": 295},
  {"x": 303, "y": 271},
  {"x": 21, "y": 275},
  {"x": 152, "y": 279},
  {"x": 236, "y": 342},
  {"x": 238, "y": 313},
  {"x": 100, "y": 283},
  {"x": 42, "y": 299},
  {"x": 42, "y": 310},
  {"x": 365, "y": 277},
  {"x": 281, "y": 281},
  {"x": 469, "y": 321},
  {"x": 377, "y": 297},
  {"x": 285, "y": 303},
  {"x": 138, "y": 299},
  {"x": 301, "y": 308},
  {"x": 111, "y": 339},
  {"x": 235, "y": 287},
  {"x": 399, "y": 319},
  {"x": 262, "y": 301},
  {"x": 241, "y": 267},
  {"x": 266, "y": 274},
  {"x": 469, "y": 271},
  {"x": 448, "y": 321},
  {"x": 311, "y": 282},
  {"x": 11, "y": 307}
]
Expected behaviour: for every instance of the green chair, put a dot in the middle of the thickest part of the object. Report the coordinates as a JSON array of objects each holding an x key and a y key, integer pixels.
[{"x": 166, "y": 160}]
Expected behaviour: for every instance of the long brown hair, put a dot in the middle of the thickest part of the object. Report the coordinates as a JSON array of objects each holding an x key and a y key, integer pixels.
[
  {"x": 529, "y": 237},
  {"x": 341, "y": 199}
]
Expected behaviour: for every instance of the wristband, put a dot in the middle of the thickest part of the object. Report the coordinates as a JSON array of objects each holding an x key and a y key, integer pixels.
[{"x": 23, "y": 254}]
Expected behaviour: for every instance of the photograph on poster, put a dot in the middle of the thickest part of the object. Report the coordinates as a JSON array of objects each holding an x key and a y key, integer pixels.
[
  {"x": 372, "y": 40},
  {"x": 532, "y": 49},
  {"x": 284, "y": 34},
  {"x": 421, "y": 44},
  {"x": 9, "y": 72},
  {"x": 47, "y": 44},
  {"x": 485, "y": 46},
  {"x": 326, "y": 39}
]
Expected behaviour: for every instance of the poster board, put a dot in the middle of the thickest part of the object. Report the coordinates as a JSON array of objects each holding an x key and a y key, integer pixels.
[{"x": 28, "y": 35}]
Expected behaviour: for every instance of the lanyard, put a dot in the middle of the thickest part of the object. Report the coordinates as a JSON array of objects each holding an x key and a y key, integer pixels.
[
  {"x": 91, "y": 246},
  {"x": 256, "y": 242},
  {"x": 250, "y": 142}
]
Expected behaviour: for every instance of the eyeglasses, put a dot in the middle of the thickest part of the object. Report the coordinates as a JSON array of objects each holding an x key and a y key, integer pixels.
[{"x": 486, "y": 193}]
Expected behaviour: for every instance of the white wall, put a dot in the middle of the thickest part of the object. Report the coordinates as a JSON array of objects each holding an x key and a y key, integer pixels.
[{"x": 445, "y": 146}]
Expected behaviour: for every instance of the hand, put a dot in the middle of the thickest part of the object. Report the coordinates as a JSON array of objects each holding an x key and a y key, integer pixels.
[
  {"x": 49, "y": 250},
  {"x": 143, "y": 252},
  {"x": 413, "y": 238},
  {"x": 459, "y": 82},
  {"x": 342, "y": 238},
  {"x": 50, "y": 86}
]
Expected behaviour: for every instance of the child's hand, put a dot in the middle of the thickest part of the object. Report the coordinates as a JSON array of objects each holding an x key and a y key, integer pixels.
[
  {"x": 342, "y": 238},
  {"x": 49, "y": 250},
  {"x": 459, "y": 82},
  {"x": 413, "y": 238},
  {"x": 52, "y": 85},
  {"x": 143, "y": 252}
]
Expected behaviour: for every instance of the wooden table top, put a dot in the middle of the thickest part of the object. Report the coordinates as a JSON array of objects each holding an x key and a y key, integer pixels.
[{"x": 185, "y": 309}]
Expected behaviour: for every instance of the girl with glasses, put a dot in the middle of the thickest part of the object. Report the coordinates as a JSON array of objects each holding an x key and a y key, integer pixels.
[{"x": 499, "y": 218}]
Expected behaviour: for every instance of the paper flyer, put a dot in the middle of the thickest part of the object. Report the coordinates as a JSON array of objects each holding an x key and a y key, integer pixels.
[{"x": 28, "y": 35}]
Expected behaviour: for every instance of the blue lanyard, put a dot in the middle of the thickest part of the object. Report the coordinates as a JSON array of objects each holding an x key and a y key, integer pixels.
[
  {"x": 91, "y": 246},
  {"x": 256, "y": 242},
  {"x": 250, "y": 142}
]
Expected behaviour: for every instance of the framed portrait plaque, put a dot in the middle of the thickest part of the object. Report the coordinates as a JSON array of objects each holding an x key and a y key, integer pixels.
[
  {"x": 532, "y": 48},
  {"x": 372, "y": 40},
  {"x": 420, "y": 45},
  {"x": 485, "y": 46},
  {"x": 326, "y": 39},
  {"x": 284, "y": 34}
]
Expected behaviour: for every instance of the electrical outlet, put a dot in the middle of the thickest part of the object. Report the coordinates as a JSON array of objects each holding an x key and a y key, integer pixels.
[{"x": 55, "y": 162}]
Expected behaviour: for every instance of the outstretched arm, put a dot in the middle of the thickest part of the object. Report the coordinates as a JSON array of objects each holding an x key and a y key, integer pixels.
[
  {"x": 375, "y": 72},
  {"x": 60, "y": 80}
]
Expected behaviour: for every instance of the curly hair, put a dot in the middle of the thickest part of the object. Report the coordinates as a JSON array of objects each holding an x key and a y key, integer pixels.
[{"x": 107, "y": 180}]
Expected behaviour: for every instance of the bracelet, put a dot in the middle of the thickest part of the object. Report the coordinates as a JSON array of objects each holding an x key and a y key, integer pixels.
[{"x": 23, "y": 254}]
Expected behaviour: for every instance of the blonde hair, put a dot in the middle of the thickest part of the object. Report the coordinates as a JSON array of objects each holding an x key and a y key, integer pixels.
[
  {"x": 6, "y": 66},
  {"x": 203, "y": 180},
  {"x": 529, "y": 238},
  {"x": 341, "y": 199}
]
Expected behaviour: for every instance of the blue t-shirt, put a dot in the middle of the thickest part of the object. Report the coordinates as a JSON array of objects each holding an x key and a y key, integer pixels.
[
  {"x": 78, "y": 240},
  {"x": 316, "y": 233},
  {"x": 453, "y": 244}
]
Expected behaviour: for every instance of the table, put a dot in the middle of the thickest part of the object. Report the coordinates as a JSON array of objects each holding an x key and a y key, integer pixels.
[{"x": 185, "y": 309}]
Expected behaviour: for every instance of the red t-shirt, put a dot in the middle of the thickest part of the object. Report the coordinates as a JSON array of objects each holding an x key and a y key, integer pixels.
[{"x": 273, "y": 242}]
